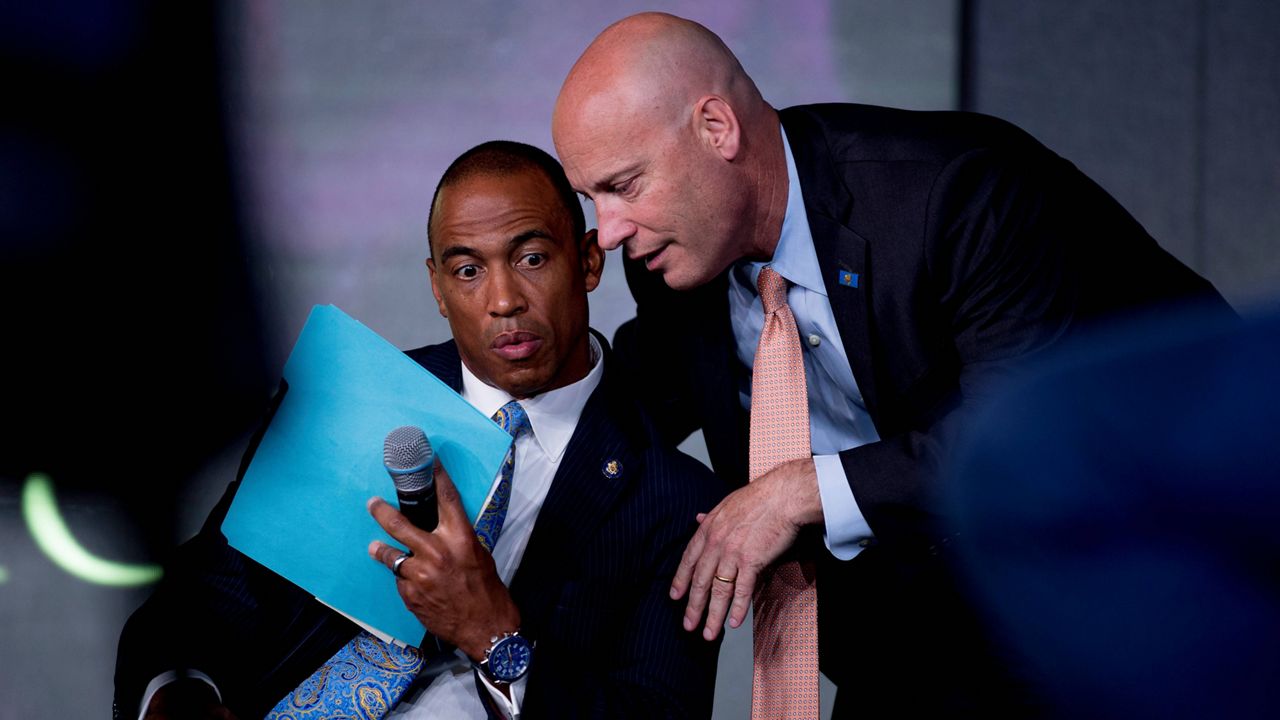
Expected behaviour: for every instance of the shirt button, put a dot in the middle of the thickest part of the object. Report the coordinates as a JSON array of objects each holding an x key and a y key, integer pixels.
[
  {"x": 814, "y": 340},
  {"x": 865, "y": 542}
]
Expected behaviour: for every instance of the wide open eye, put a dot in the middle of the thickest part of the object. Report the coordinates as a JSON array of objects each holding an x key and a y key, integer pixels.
[
  {"x": 467, "y": 272},
  {"x": 533, "y": 260}
]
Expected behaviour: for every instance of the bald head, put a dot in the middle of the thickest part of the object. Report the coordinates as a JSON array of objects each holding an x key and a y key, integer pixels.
[
  {"x": 658, "y": 65},
  {"x": 658, "y": 124}
]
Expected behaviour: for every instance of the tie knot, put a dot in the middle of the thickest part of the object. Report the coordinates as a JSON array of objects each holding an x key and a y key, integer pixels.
[
  {"x": 773, "y": 290},
  {"x": 512, "y": 418}
]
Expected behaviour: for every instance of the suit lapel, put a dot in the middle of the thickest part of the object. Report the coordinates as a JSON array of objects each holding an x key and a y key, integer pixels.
[
  {"x": 600, "y": 461},
  {"x": 842, "y": 253}
]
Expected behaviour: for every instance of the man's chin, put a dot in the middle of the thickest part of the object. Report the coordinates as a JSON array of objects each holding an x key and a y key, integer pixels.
[
  {"x": 521, "y": 385},
  {"x": 681, "y": 281}
]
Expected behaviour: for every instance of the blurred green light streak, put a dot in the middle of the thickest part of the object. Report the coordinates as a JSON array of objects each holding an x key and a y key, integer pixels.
[{"x": 50, "y": 531}]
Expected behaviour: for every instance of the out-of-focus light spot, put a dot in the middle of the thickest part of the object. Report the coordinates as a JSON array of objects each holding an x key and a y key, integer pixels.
[
  {"x": 50, "y": 531},
  {"x": 4, "y": 574}
]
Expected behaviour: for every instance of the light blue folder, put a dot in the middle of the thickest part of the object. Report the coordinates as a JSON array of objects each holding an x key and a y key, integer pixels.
[{"x": 300, "y": 510}]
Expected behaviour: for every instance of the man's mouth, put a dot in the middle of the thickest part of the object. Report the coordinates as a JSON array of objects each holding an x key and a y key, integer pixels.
[
  {"x": 651, "y": 259},
  {"x": 516, "y": 345}
]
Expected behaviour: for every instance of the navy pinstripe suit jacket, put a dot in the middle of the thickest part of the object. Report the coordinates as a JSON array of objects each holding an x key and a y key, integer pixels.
[{"x": 591, "y": 587}]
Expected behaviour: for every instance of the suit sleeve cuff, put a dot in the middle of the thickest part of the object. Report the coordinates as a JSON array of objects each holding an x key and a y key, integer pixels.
[
  {"x": 510, "y": 708},
  {"x": 845, "y": 530},
  {"x": 165, "y": 678}
]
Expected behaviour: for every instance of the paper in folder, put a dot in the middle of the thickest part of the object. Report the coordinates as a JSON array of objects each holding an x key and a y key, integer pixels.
[{"x": 300, "y": 509}]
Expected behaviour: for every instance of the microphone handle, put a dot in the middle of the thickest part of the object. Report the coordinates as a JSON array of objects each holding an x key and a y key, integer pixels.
[{"x": 420, "y": 508}]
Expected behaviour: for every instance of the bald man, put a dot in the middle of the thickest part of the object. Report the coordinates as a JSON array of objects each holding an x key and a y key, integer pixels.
[{"x": 924, "y": 255}]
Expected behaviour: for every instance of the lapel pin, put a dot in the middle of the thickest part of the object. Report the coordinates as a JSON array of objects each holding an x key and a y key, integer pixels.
[
  {"x": 848, "y": 279},
  {"x": 611, "y": 469}
]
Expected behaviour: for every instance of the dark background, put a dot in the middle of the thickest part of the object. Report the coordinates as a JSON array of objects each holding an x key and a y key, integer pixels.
[{"x": 181, "y": 182}]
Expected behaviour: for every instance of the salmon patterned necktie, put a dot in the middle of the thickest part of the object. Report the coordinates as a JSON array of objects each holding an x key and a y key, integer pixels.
[{"x": 785, "y": 637}]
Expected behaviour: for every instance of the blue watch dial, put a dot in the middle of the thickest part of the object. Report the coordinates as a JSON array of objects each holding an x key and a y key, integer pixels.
[{"x": 509, "y": 658}]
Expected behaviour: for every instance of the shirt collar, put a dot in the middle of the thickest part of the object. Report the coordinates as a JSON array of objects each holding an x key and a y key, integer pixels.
[
  {"x": 794, "y": 258},
  {"x": 553, "y": 415}
]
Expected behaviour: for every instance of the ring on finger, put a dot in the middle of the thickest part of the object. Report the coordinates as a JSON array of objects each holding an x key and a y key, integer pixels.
[
  {"x": 723, "y": 579},
  {"x": 395, "y": 566}
]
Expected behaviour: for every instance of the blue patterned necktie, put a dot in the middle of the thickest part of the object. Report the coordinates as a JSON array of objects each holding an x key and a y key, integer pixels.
[
  {"x": 366, "y": 678},
  {"x": 515, "y": 421},
  {"x": 363, "y": 680}
]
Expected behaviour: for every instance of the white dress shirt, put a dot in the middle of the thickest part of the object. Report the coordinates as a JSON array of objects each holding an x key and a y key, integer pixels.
[
  {"x": 838, "y": 417},
  {"x": 553, "y": 416}
]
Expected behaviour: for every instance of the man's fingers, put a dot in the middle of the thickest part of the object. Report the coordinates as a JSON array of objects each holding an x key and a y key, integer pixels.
[
  {"x": 701, "y": 580},
  {"x": 722, "y": 584},
  {"x": 680, "y": 583},
  {"x": 743, "y": 587},
  {"x": 384, "y": 553},
  {"x": 395, "y": 523}
]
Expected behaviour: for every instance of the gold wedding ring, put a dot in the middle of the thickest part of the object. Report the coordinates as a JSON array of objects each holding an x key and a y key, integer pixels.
[{"x": 725, "y": 579}]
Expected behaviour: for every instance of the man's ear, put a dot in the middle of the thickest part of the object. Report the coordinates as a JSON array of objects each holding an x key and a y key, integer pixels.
[
  {"x": 435, "y": 288},
  {"x": 592, "y": 260},
  {"x": 717, "y": 126}
]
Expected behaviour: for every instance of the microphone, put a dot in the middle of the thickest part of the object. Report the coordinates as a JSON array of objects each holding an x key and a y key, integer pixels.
[{"x": 407, "y": 456}]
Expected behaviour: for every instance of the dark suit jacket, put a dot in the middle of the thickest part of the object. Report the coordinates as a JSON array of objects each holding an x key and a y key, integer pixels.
[
  {"x": 592, "y": 588},
  {"x": 974, "y": 248}
]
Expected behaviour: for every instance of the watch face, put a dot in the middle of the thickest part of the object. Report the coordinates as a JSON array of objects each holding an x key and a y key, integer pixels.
[{"x": 510, "y": 658}]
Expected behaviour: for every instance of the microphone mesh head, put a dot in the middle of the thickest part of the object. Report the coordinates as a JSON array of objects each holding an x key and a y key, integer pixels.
[{"x": 405, "y": 448}]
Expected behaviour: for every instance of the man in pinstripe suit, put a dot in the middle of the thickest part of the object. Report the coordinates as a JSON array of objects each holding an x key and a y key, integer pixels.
[{"x": 600, "y": 510}]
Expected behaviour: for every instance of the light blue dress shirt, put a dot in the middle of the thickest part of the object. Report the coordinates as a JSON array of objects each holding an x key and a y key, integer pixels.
[{"x": 838, "y": 417}]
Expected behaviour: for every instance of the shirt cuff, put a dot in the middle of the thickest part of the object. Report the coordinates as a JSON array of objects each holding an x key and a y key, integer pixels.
[
  {"x": 165, "y": 678},
  {"x": 845, "y": 530},
  {"x": 510, "y": 708}
]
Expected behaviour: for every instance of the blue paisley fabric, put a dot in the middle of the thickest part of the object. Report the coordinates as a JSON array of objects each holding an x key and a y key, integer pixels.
[{"x": 363, "y": 681}]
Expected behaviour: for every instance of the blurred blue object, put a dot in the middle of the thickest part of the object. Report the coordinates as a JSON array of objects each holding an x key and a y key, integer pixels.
[{"x": 1119, "y": 517}]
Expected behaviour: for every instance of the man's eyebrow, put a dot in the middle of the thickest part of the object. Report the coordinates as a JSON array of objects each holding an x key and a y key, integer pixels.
[
  {"x": 515, "y": 241},
  {"x": 528, "y": 235},
  {"x": 608, "y": 181},
  {"x": 455, "y": 250}
]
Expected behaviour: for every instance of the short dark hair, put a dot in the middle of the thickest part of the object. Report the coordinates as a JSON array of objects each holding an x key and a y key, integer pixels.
[{"x": 497, "y": 157}]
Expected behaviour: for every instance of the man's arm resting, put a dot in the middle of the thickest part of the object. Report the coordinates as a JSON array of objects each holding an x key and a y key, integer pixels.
[
  {"x": 739, "y": 538},
  {"x": 845, "y": 529}
]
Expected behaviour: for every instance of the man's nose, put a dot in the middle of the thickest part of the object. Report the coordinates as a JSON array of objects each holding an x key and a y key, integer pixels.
[
  {"x": 506, "y": 295},
  {"x": 613, "y": 229}
]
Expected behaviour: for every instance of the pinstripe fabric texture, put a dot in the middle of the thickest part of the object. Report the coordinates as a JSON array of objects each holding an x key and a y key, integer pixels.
[{"x": 785, "y": 639}]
